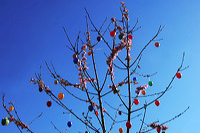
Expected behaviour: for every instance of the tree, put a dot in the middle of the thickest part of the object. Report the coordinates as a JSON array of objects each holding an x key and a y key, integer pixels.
[{"x": 97, "y": 85}]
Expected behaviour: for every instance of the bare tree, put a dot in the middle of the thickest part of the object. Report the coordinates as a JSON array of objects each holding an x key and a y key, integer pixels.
[{"x": 129, "y": 91}]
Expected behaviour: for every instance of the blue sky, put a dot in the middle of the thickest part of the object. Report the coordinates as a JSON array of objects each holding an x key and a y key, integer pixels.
[{"x": 31, "y": 33}]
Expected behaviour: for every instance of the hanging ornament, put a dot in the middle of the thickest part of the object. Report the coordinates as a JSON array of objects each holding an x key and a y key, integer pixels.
[
  {"x": 113, "y": 33},
  {"x": 69, "y": 123},
  {"x": 143, "y": 92},
  {"x": 40, "y": 89},
  {"x": 49, "y": 103},
  {"x": 136, "y": 101},
  {"x": 96, "y": 112},
  {"x": 158, "y": 129},
  {"x": 178, "y": 75},
  {"x": 98, "y": 38},
  {"x": 128, "y": 124},
  {"x": 134, "y": 78},
  {"x": 130, "y": 37},
  {"x": 157, "y": 103},
  {"x": 121, "y": 130},
  {"x": 121, "y": 36},
  {"x": 120, "y": 112},
  {"x": 75, "y": 60},
  {"x": 56, "y": 82},
  {"x": 157, "y": 44},
  {"x": 90, "y": 108},
  {"x": 60, "y": 96},
  {"x": 150, "y": 83},
  {"x": 11, "y": 108},
  {"x": 74, "y": 56},
  {"x": 5, "y": 121},
  {"x": 87, "y": 132},
  {"x": 89, "y": 53}
]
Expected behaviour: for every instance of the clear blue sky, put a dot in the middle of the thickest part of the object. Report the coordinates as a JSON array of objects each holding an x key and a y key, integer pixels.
[{"x": 31, "y": 33}]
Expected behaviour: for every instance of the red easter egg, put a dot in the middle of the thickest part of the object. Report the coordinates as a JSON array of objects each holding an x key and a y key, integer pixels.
[
  {"x": 89, "y": 53},
  {"x": 96, "y": 112},
  {"x": 49, "y": 103},
  {"x": 112, "y": 33},
  {"x": 121, "y": 130},
  {"x": 158, "y": 130},
  {"x": 157, "y": 44},
  {"x": 128, "y": 124},
  {"x": 130, "y": 37},
  {"x": 136, "y": 101},
  {"x": 178, "y": 75},
  {"x": 157, "y": 103},
  {"x": 74, "y": 56}
]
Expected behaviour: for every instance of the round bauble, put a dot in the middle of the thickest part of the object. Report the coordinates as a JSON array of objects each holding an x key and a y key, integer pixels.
[
  {"x": 69, "y": 123},
  {"x": 40, "y": 89},
  {"x": 157, "y": 44},
  {"x": 130, "y": 37},
  {"x": 157, "y": 103},
  {"x": 96, "y": 112},
  {"x": 128, "y": 124},
  {"x": 178, "y": 75},
  {"x": 11, "y": 108},
  {"x": 120, "y": 112},
  {"x": 121, "y": 36},
  {"x": 75, "y": 60},
  {"x": 56, "y": 82},
  {"x": 143, "y": 92},
  {"x": 60, "y": 96},
  {"x": 49, "y": 103},
  {"x": 90, "y": 108},
  {"x": 136, "y": 101},
  {"x": 113, "y": 33},
  {"x": 98, "y": 38},
  {"x": 150, "y": 83},
  {"x": 5, "y": 121},
  {"x": 134, "y": 78},
  {"x": 121, "y": 130},
  {"x": 89, "y": 53}
]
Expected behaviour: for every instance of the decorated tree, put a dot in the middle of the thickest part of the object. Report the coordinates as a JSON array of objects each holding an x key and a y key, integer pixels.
[{"x": 115, "y": 92}]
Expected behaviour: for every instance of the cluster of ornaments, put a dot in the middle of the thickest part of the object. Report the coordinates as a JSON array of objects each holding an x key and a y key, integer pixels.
[
  {"x": 7, "y": 120},
  {"x": 159, "y": 127},
  {"x": 128, "y": 125}
]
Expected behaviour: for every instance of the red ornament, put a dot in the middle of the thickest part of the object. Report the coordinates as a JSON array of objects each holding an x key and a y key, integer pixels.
[
  {"x": 158, "y": 130},
  {"x": 136, "y": 101},
  {"x": 130, "y": 37},
  {"x": 178, "y": 75},
  {"x": 157, "y": 103},
  {"x": 96, "y": 112},
  {"x": 74, "y": 56},
  {"x": 89, "y": 53},
  {"x": 49, "y": 103},
  {"x": 121, "y": 130},
  {"x": 157, "y": 44},
  {"x": 128, "y": 124},
  {"x": 113, "y": 33}
]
